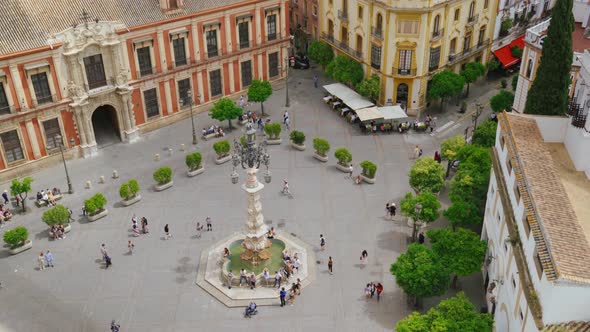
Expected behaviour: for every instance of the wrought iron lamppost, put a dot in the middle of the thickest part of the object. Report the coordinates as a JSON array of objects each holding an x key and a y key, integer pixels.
[
  {"x": 60, "y": 143},
  {"x": 250, "y": 155},
  {"x": 475, "y": 116},
  {"x": 191, "y": 103},
  {"x": 417, "y": 210}
]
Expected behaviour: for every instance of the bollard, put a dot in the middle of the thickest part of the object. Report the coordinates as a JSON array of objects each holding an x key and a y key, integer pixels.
[
  {"x": 170, "y": 151},
  {"x": 182, "y": 147},
  {"x": 101, "y": 179},
  {"x": 88, "y": 185},
  {"x": 157, "y": 157},
  {"x": 115, "y": 174}
]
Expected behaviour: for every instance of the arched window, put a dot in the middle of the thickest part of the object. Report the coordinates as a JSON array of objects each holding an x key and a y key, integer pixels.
[
  {"x": 529, "y": 68},
  {"x": 436, "y": 25},
  {"x": 471, "y": 9}
]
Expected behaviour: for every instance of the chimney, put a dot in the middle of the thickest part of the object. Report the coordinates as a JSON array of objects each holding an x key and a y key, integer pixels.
[{"x": 171, "y": 5}]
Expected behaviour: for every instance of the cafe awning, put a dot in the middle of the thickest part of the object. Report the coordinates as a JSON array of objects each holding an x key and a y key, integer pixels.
[
  {"x": 392, "y": 112},
  {"x": 369, "y": 114},
  {"x": 504, "y": 54},
  {"x": 349, "y": 97}
]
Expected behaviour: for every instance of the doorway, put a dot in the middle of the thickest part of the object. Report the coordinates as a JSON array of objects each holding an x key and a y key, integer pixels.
[
  {"x": 402, "y": 95},
  {"x": 106, "y": 126}
]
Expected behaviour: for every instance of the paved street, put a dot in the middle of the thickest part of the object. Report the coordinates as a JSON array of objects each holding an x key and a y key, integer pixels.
[{"x": 154, "y": 289}]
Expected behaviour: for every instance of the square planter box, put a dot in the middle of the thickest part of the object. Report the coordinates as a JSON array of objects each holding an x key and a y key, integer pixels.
[
  {"x": 195, "y": 172},
  {"x": 160, "y": 187},
  {"x": 28, "y": 245},
  {"x": 99, "y": 215},
  {"x": 320, "y": 158},
  {"x": 127, "y": 202},
  {"x": 223, "y": 160},
  {"x": 368, "y": 179},
  {"x": 297, "y": 146}
]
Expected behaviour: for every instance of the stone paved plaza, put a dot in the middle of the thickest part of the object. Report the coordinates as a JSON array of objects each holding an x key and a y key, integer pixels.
[{"x": 154, "y": 289}]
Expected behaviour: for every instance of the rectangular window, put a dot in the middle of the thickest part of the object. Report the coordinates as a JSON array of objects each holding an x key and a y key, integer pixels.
[
  {"x": 467, "y": 43},
  {"x": 184, "y": 87},
  {"x": 145, "y": 61},
  {"x": 215, "y": 82},
  {"x": 482, "y": 33},
  {"x": 41, "y": 87},
  {"x": 434, "y": 58},
  {"x": 212, "y": 50},
  {"x": 453, "y": 46},
  {"x": 273, "y": 64},
  {"x": 538, "y": 264},
  {"x": 405, "y": 59},
  {"x": 244, "y": 34},
  {"x": 408, "y": 27},
  {"x": 360, "y": 13},
  {"x": 516, "y": 193},
  {"x": 485, "y": 4},
  {"x": 502, "y": 142},
  {"x": 95, "y": 71},
  {"x": 179, "y": 52},
  {"x": 11, "y": 145},
  {"x": 513, "y": 282},
  {"x": 150, "y": 98},
  {"x": 457, "y": 14},
  {"x": 52, "y": 131},
  {"x": 375, "y": 56},
  {"x": 246, "y": 73},
  {"x": 271, "y": 27},
  {"x": 526, "y": 225},
  {"x": 4, "y": 107},
  {"x": 509, "y": 166}
]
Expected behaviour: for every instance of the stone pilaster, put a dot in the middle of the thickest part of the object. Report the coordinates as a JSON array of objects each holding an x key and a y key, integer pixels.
[
  {"x": 18, "y": 87},
  {"x": 33, "y": 139}
]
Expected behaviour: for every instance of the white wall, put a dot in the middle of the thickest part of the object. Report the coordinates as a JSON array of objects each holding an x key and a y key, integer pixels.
[
  {"x": 580, "y": 11},
  {"x": 553, "y": 128},
  {"x": 577, "y": 143}
]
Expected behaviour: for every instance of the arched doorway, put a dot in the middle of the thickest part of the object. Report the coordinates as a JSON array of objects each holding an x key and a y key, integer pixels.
[
  {"x": 106, "y": 126},
  {"x": 402, "y": 95}
]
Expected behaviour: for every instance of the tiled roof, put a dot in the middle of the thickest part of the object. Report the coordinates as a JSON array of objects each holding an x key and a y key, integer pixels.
[
  {"x": 561, "y": 243},
  {"x": 27, "y": 24},
  {"x": 568, "y": 327}
]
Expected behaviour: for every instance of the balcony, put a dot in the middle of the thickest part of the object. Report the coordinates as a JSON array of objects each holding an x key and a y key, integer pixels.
[
  {"x": 436, "y": 35},
  {"x": 102, "y": 83},
  {"x": 245, "y": 44},
  {"x": 179, "y": 62},
  {"x": 343, "y": 15},
  {"x": 467, "y": 52},
  {"x": 48, "y": 99},
  {"x": 576, "y": 111},
  {"x": 147, "y": 71},
  {"x": 404, "y": 71},
  {"x": 342, "y": 46},
  {"x": 472, "y": 20},
  {"x": 328, "y": 37},
  {"x": 377, "y": 33}
]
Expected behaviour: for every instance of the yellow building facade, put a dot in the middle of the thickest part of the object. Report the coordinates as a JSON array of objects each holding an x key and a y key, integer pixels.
[{"x": 406, "y": 42}]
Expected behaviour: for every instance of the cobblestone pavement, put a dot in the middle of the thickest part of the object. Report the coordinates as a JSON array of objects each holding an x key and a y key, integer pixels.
[{"x": 154, "y": 289}]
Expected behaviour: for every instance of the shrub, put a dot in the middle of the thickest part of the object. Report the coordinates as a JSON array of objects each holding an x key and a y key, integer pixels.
[
  {"x": 321, "y": 146},
  {"x": 193, "y": 161},
  {"x": 503, "y": 83},
  {"x": 273, "y": 130},
  {"x": 221, "y": 148},
  {"x": 129, "y": 189},
  {"x": 163, "y": 175},
  {"x": 502, "y": 101},
  {"x": 95, "y": 203},
  {"x": 514, "y": 82},
  {"x": 16, "y": 237},
  {"x": 58, "y": 215},
  {"x": 505, "y": 26},
  {"x": 297, "y": 137},
  {"x": 516, "y": 52},
  {"x": 243, "y": 141},
  {"x": 369, "y": 168},
  {"x": 344, "y": 157}
]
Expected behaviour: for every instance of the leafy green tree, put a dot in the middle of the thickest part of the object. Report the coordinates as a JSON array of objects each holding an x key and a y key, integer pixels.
[
  {"x": 369, "y": 168},
  {"x": 345, "y": 70},
  {"x": 370, "y": 88},
  {"x": 472, "y": 71},
  {"x": 259, "y": 91},
  {"x": 429, "y": 212},
  {"x": 57, "y": 215},
  {"x": 95, "y": 203},
  {"x": 225, "y": 109},
  {"x": 456, "y": 314},
  {"x": 514, "y": 82},
  {"x": 492, "y": 65},
  {"x": 505, "y": 26},
  {"x": 16, "y": 237},
  {"x": 470, "y": 184},
  {"x": 445, "y": 84},
  {"x": 463, "y": 213},
  {"x": 449, "y": 149},
  {"x": 21, "y": 189},
  {"x": 502, "y": 101},
  {"x": 320, "y": 52},
  {"x": 298, "y": 137},
  {"x": 485, "y": 134},
  {"x": 461, "y": 252},
  {"x": 419, "y": 273},
  {"x": 427, "y": 174},
  {"x": 549, "y": 93},
  {"x": 516, "y": 52},
  {"x": 221, "y": 148}
]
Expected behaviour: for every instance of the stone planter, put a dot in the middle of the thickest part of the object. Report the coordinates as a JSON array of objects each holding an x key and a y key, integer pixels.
[
  {"x": 320, "y": 158},
  {"x": 297, "y": 146},
  {"x": 195, "y": 172},
  {"x": 223, "y": 160},
  {"x": 368, "y": 179},
  {"x": 345, "y": 169},
  {"x": 99, "y": 215},
  {"x": 160, "y": 187},
  {"x": 28, "y": 245},
  {"x": 135, "y": 199},
  {"x": 274, "y": 141}
]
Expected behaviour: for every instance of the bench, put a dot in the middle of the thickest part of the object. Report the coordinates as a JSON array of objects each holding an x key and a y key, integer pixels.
[
  {"x": 209, "y": 136},
  {"x": 41, "y": 203}
]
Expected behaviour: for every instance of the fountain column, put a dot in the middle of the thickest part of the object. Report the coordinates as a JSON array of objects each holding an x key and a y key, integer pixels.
[{"x": 255, "y": 242}]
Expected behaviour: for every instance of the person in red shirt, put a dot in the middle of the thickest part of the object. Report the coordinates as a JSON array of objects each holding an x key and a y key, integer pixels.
[{"x": 379, "y": 291}]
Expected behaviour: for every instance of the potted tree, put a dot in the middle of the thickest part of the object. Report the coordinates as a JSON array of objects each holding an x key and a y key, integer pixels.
[
  {"x": 344, "y": 158},
  {"x": 297, "y": 140},
  {"x": 129, "y": 192},
  {"x": 95, "y": 207},
  {"x": 369, "y": 170},
  {"x": 57, "y": 215},
  {"x": 17, "y": 240},
  {"x": 321, "y": 147},
  {"x": 193, "y": 162},
  {"x": 163, "y": 177},
  {"x": 273, "y": 132},
  {"x": 222, "y": 149}
]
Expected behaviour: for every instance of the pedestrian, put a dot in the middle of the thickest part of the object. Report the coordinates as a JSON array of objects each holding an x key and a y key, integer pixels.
[
  {"x": 322, "y": 242},
  {"x": 107, "y": 259},
  {"x": 167, "y": 232},
  {"x": 379, "y": 290},
  {"x": 282, "y": 295},
  {"x": 84, "y": 210},
  {"x": 298, "y": 286},
  {"x": 420, "y": 153},
  {"x": 296, "y": 264},
  {"x": 421, "y": 238},
  {"x": 260, "y": 125},
  {"x": 243, "y": 277},
  {"x": 287, "y": 123},
  {"x": 252, "y": 281},
  {"x": 209, "y": 225},
  {"x": 437, "y": 157},
  {"x": 70, "y": 213},
  {"x": 285, "y": 117},
  {"x": 199, "y": 230},
  {"x": 368, "y": 291},
  {"x": 41, "y": 261},
  {"x": 5, "y": 196},
  {"x": 416, "y": 152},
  {"x": 135, "y": 230},
  {"x": 350, "y": 171},
  {"x": 134, "y": 220},
  {"x": 130, "y": 246},
  {"x": 266, "y": 276},
  {"x": 330, "y": 264},
  {"x": 277, "y": 279},
  {"x": 292, "y": 295},
  {"x": 387, "y": 211},
  {"x": 49, "y": 258},
  {"x": 372, "y": 289},
  {"x": 364, "y": 257},
  {"x": 315, "y": 81},
  {"x": 144, "y": 225},
  {"x": 392, "y": 209},
  {"x": 103, "y": 250},
  {"x": 230, "y": 279}
]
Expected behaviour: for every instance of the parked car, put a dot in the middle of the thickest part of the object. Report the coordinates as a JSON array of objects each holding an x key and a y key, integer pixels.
[{"x": 299, "y": 62}]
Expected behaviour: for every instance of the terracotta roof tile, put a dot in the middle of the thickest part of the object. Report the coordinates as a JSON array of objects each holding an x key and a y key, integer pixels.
[{"x": 568, "y": 327}]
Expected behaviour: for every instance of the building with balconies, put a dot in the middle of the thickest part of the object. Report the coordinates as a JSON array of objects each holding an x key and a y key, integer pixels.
[
  {"x": 406, "y": 42},
  {"x": 119, "y": 68},
  {"x": 304, "y": 23}
]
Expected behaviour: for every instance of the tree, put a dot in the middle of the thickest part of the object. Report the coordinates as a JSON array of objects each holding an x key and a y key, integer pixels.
[
  {"x": 502, "y": 101},
  {"x": 549, "y": 92},
  {"x": 516, "y": 52},
  {"x": 505, "y": 26},
  {"x": 193, "y": 161},
  {"x": 462, "y": 213},
  {"x": 320, "y": 52},
  {"x": 428, "y": 213},
  {"x": 58, "y": 214},
  {"x": 419, "y": 273},
  {"x": 16, "y": 237},
  {"x": 370, "y": 88},
  {"x": 259, "y": 91},
  {"x": 485, "y": 134},
  {"x": 444, "y": 85},
  {"x": 345, "y": 70},
  {"x": 461, "y": 252},
  {"x": 493, "y": 65},
  {"x": 21, "y": 189},
  {"x": 427, "y": 174},
  {"x": 226, "y": 109},
  {"x": 472, "y": 71},
  {"x": 449, "y": 149},
  {"x": 514, "y": 82},
  {"x": 470, "y": 184},
  {"x": 456, "y": 314}
]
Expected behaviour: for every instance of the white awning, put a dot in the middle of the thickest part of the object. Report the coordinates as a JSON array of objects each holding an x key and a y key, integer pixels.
[
  {"x": 392, "y": 112},
  {"x": 369, "y": 114},
  {"x": 353, "y": 100}
]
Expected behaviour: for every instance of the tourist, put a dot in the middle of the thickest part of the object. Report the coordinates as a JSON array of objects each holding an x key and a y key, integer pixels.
[
  {"x": 417, "y": 152},
  {"x": 50, "y": 198},
  {"x": 260, "y": 125},
  {"x": 315, "y": 81},
  {"x": 135, "y": 230},
  {"x": 243, "y": 277},
  {"x": 282, "y": 295},
  {"x": 330, "y": 264},
  {"x": 45, "y": 198},
  {"x": 392, "y": 209},
  {"x": 209, "y": 225},
  {"x": 5, "y": 196},
  {"x": 379, "y": 290},
  {"x": 421, "y": 238},
  {"x": 277, "y": 279},
  {"x": 359, "y": 179},
  {"x": 252, "y": 281},
  {"x": 287, "y": 123},
  {"x": 49, "y": 258},
  {"x": 296, "y": 264},
  {"x": 364, "y": 257},
  {"x": 292, "y": 294},
  {"x": 226, "y": 253},
  {"x": 266, "y": 276},
  {"x": 108, "y": 262},
  {"x": 103, "y": 250},
  {"x": 285, "y": 117},
  {"x": 372, "y": 289},
  {"x": 322, "y": 242},
  {"x": 167, "y": 232},
  {"x": 199, "y": 230},
  {"x": 298, "y": 286},
  {"x": 387, "y": 211},
  {"x": 271, "y": 233},
  {"x": 437, "y": 157},
  {"x": 41, "y": 261},
  {"x": 368, "y": 291},
  {"x": 350, "y": 171},
  {"x": 70, "y": 214},
  {"x": 420, "y": 153},
  {"x": 230, "y": 279},
  {"x": 144, "y": 225},
  {"x": 134, "y": 220},
  {"x": 130, "y": 246}
]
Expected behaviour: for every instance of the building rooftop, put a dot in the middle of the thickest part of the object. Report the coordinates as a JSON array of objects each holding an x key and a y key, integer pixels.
[
  {"x": 535, "y": 34},
  {"x": 568, "y": 327},
  {"x": 579, "y": 41},
  {"x": 556, "y": 199},
  {"x": 28, "y": 24}
]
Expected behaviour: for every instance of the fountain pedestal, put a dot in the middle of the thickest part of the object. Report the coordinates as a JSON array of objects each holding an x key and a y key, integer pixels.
[{"x": 255, "y": 242}]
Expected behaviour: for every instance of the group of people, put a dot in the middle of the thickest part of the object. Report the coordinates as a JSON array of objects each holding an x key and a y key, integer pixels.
[
  {"x": 390, "y": 210},
  {"x": 48, "y": 196},
  {"x": 45, "y": 260},
  {"x": 293, "y": 292},
  {"x": 57, "y": 232},
  {"x": 144, "y": 226},
  {"x": 5, "y": 214},
  {"x": 373, "y": 288},
  {"x": 213, "y": 130}
]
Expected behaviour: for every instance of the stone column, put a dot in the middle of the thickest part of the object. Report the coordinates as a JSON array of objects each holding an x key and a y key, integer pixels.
[
  {"x": 33, "y": 138},
  {"x": 255, "y": 228},
  {"x": 18, "y": 87},
  {"x": 80, "y": 126},
  {"x": 162, "y": 50},
  {"x": 58, "y": 72},
  {"x": 131, "y": 132}
]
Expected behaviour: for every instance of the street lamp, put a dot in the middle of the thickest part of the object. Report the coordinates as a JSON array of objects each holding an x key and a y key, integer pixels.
[
  {"x": 475, "y": 116},
  {"x": 417, "y": 210},
  {"x": 287, "y": 60},
  {"x": 190, "y": 102},
  {"x": 63, "y": 158},
  {"x": 250, "y": 155}
]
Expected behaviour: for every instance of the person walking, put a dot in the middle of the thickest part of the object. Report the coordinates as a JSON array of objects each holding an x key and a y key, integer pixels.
[
  {"x": 243, "y": 277},
  {"x": 108, "y": 261},
  {"x": 130, "y": 246},
  {"x": 330, "y": 264},
  {"x": 5, "y": 196},
  {"x": 379, "y": 291},
  {"x": 421, "y": 238},
  {"x": 420, "y": 153},
  {"x": 372, "y": 285},
  {"x": 350, "y": 171},
  {"x": 285, "y": 117},
  {"x": 298, "y": 286},
  {"x": 41, "y": 261},
  {"x": 287, "y": 123},
  {"x": 277, "y": 279},
  {"x": 49, "y": 258},
  {"x": 283, "y": 295},
  {"x": 322, "y": 242},
  {"x": 252, "y": 281},
  {"x": 167, "y": 232},
  {"x": 199, "y": 230},
  {"x": 392, "y": 209},
  {"x": 266, "y": 276},
  {"x": 364, "y": 257},
  {"x": 315, "y": 81},
  {"x": 103, "y": 250},
  {"x": 230, "y": 279},
  {"x": 416, "y": 152},
  {"x": 209, "y": 224},
  {"x": 144, "y": 225},
  {"x": 437, "y": 157},
  {"x": 70, "y": 213},
  {"x": 367, "y": 291}
]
